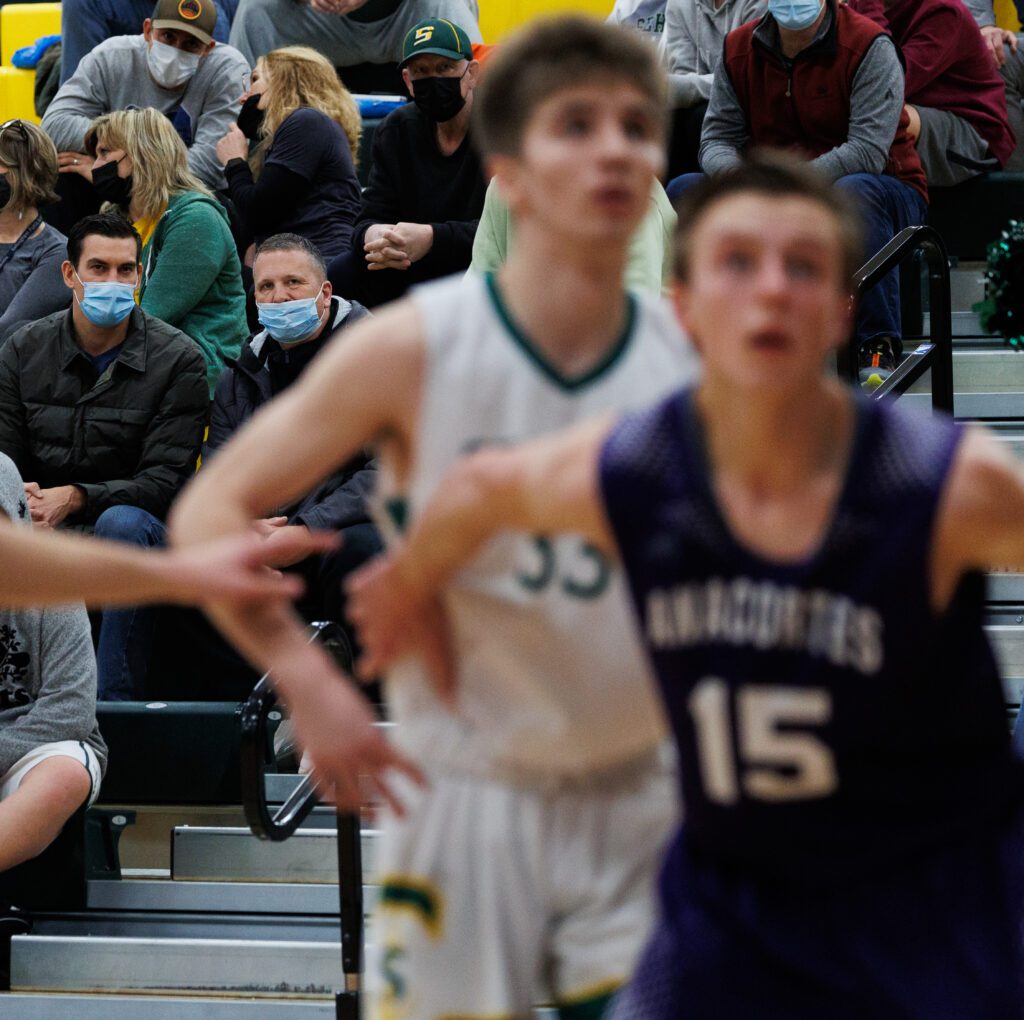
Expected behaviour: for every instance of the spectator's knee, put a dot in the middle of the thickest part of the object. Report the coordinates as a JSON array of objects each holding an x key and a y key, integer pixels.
[
  {"x": 61, "y": 785},
  {"x": 129, "y": 524}
]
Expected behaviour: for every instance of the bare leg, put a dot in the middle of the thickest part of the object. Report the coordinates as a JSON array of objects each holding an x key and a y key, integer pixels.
[{"x": 34, "y": 814}]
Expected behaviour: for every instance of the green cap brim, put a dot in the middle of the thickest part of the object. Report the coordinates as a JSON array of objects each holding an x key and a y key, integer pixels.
[{"x": 437, "y": 51}]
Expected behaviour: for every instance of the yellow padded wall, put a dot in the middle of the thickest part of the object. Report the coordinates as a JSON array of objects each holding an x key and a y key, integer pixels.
[
  {"x": 17, "y": 95},
  {"x": 1006, "y": 15},
  {"x": 499, "y": 17},
  {"x": 22, "y": 24}
]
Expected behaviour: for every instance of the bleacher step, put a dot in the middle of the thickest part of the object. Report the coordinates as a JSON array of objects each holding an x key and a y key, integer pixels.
[
  {"x": 222, "y": 854},
  {"x": 985, "y": 407},
  {"x": 44, "y": 1006},
  {"x": 207, "y": 966},
  {"x": 213, "y": 897}
]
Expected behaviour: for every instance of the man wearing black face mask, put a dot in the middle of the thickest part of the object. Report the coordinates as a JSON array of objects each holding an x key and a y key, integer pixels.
[{"x": 426, "y": 189}]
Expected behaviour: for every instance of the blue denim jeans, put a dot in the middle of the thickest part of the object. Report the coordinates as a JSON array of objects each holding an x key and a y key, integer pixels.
[
  {"x": 86, "y": 23},
  {"x": 887, "y": 206},
  {"x": 126, "y": 635}
]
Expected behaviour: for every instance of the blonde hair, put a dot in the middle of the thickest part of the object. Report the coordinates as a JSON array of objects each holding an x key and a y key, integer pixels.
[
  {"x": 299, "y": 76},
  {"x": 27, "y": 152},
  {"x": 158, "y": 154}
]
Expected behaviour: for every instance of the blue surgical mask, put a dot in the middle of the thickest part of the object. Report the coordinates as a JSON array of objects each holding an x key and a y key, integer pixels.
[
  {"x": 796, "y": 15},
  {"x": 289, "y": 321},
  {"x": 106, "y": 304}
]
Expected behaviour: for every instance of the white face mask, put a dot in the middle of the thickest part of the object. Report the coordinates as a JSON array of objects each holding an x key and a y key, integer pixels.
[{"x": 171, "y": 67}]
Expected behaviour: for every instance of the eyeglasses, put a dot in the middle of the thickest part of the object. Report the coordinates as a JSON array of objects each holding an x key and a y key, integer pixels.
[{"x": 14, "y": 125}]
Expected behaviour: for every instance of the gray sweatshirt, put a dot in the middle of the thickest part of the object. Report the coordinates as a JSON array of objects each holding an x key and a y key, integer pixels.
[
  {"x": 876, "y": 102},
  {"x": 982, "y": 11},
  {"x": 692, "y": 44},
  {"x": 115, "y": 76},
  {"x": 47, "y": 665}
]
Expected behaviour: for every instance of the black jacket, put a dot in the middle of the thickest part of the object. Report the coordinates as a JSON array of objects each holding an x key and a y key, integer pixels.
[
  {"x": 340, "y": 500},
  {"x": 129, "y": 437}
]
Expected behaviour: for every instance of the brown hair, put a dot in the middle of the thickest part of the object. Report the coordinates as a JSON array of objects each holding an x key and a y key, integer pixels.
[
  {"x": 299, "y": 76},
  {"x": 550, "y": 55},
  {"x": 774, "y": 175},
  {"x": 31, "y": 158}
]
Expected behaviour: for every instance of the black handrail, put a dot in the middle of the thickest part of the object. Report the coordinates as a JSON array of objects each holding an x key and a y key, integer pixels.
[
  {"x": 937, "y": 353},
  {"x": 253, "y": 719}
]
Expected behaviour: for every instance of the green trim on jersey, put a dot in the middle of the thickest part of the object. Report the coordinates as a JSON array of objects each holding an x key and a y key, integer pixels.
[{"x": 533, "y": 352}]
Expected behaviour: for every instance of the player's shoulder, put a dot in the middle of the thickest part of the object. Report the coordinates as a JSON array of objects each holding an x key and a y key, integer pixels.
[
  {"x": 910, "y": 449},
  {"x": 451, "y": 306},
  {"x": 644, "y": 447},
  {"x": 985, "y": 471}
]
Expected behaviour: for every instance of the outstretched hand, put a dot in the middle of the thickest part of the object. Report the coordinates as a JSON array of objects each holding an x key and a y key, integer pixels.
[
  {"x": 349, "y": 755},
  {"x": 394, "y": 621},
  {"x": 236, "y": 569}
]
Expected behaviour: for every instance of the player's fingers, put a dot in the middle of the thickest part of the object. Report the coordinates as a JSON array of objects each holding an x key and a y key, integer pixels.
[
  {"x": 1011, "y": 40},
  {"x": 384, "y": 792},
  {"x": 408, "y": 768}
]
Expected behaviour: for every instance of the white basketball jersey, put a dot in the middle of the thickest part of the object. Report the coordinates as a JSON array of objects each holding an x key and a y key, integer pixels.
[{"x": 552, "y": 679}]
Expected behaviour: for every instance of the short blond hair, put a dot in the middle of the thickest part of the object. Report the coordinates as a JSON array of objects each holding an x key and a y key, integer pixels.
[
  {"x": 158, "y": 154},
  {"x": 31, "y": 161},
  {"x": 299, "y": 76}
]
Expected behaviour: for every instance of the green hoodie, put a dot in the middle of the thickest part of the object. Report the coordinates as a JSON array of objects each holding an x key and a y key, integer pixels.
[{"x": 192, "y": 278}]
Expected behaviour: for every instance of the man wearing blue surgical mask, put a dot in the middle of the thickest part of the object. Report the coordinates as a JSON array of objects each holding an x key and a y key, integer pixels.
[
  {"x": 102, "y": 408},
  {"x": 299, "y": 315},
  {"x": 821, "y": 80}
]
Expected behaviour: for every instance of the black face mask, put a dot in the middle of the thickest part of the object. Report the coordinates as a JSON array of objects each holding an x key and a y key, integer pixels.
[
  {"x": 110, "y": 187},
  {"x": 439, "y": 98},
  {"x": 5, "y": 191},
  {"x": 250, "y": 119}
]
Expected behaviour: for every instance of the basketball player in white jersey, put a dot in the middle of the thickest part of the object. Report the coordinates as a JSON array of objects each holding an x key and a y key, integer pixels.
[{"x": 523, "y": 871}]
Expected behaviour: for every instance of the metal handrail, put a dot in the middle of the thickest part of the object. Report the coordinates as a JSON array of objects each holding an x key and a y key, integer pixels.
[
  {"x": 937, "y": 352},
  {"x": 254, "y": 717}
]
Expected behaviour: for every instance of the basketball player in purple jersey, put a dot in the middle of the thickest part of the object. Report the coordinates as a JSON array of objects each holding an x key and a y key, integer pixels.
[{"x": 805, "y": 567}]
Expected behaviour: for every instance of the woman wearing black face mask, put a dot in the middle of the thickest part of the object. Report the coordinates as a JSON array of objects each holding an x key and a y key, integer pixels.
[
  {"x": 31, "y": 252},
  {"x": 191, "y": 276},
  {"x": 290, "y": 159}
]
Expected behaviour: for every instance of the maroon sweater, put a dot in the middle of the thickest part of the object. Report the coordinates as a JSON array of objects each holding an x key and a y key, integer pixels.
[
  {"x": 804, "y": 105},
  {"x": 948, "y": 65}
]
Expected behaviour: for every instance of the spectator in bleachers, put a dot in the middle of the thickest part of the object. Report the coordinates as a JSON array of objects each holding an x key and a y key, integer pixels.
[
  {"x": 102, "y": 410},
  {"x": 31, "y": 251},
  {"x": 426, "y": 188},
  {"x": 691, "y": 47},
  {"x": 52, "y": 756},
  {"x": 649, "y": 265},
  {"x": 84, "y": 24},
  {"x": 346, "y": 32},
  {"x": 301, "y": 177},
  {"x": 1008, "y": 56},
  {"x": 955, "y": 98},
  {"x": 645, "y": 16},
  {"x": 191, "y": 276},
  {"x": 819, "y": 79},
  {"x": 175, "y": 67},
  {"x": 299, "y": 315}
]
